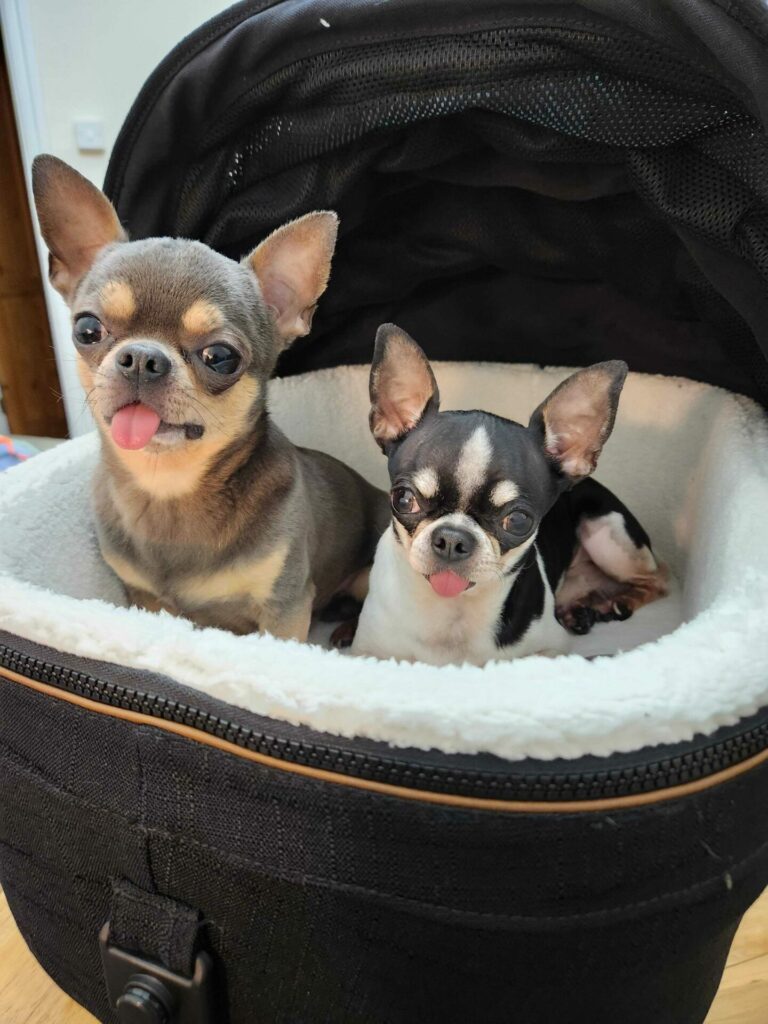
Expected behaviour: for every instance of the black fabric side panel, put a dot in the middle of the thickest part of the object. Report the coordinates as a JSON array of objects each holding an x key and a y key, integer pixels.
[{"x": 321, "y": 903}]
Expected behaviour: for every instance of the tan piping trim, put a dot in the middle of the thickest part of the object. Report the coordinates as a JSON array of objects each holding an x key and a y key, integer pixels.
[{"x": 446, "y": 799}]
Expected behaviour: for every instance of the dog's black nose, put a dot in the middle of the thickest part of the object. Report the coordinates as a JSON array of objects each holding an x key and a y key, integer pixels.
[
  {"x": 452, "y": 544},
  {"x": 143, "y": 363}
]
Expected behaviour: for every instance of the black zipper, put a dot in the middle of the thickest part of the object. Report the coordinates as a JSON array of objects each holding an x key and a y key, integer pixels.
[{"x": 610, "y": 783}]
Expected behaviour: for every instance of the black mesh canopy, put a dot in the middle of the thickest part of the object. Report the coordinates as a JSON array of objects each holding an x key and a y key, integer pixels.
[{"x": 525, "y": 182}]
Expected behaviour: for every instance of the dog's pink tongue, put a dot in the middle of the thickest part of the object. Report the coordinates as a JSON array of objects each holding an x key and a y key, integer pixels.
[
  {"x": 134, "y": 426},
  {"x": 448, "y": 584}
]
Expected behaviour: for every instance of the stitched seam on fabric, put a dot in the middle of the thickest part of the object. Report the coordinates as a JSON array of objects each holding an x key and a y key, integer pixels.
[{"x": 142, "y": 816}]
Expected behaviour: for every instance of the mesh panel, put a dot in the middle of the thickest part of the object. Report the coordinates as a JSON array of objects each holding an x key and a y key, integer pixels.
[
  {"x": 542, "y": 76},
  {"x": 524, "y": 192}
]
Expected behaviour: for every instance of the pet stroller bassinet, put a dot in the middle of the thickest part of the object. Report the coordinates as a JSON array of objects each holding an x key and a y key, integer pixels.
[{"x": 301, "y": 836}]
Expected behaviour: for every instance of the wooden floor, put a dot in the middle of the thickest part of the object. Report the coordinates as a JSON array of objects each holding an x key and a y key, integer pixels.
[{"x": 28, "y": 996}]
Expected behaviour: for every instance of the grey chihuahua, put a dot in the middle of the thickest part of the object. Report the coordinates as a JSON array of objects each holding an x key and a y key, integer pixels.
[{"x": 203, "y": 507}]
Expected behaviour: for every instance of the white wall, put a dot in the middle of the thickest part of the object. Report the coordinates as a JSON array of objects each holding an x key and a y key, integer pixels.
[
  {"x": 71, "y": 59},
  {"x": 93, "y": 56}
]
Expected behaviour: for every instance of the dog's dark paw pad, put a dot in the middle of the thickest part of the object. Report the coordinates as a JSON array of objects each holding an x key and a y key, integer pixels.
[
  {"x": 578, "y": 619},
  {"x": 344, "y": 634},
  {"x": 583, "y": 619}
]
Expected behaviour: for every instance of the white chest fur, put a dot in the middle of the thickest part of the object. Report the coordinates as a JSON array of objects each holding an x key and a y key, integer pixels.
[{"x": 403, "y": 618}]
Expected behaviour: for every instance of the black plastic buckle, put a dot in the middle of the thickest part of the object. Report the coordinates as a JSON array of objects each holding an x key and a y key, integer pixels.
[{"x": 144, "y": 992}]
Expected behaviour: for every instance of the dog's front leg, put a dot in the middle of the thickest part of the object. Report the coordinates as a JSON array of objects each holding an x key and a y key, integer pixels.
[
  {"x": 143, "y": 599},
  {"x": 291, "y": 623}
]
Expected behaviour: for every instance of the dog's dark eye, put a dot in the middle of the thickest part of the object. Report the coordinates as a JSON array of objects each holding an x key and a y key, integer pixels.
[
  {"x": 88, "y": 330},
  {"x": 404, "y": 501},
  {"x": 220, "y": 358},
  {"x": 517, "y": 522}
]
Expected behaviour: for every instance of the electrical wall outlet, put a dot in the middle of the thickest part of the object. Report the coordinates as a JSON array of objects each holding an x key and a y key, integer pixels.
[{"x": 89, "y": 133}]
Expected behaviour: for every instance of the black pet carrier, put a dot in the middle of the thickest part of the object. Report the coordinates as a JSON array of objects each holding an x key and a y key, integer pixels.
[{"x": 198, "y": 827}]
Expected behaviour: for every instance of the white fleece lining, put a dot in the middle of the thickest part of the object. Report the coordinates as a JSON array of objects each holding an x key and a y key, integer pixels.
[{"x": 690, "y": 460}]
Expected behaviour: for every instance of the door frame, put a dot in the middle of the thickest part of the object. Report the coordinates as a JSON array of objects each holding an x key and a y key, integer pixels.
[{"x": 31, "y": 125}]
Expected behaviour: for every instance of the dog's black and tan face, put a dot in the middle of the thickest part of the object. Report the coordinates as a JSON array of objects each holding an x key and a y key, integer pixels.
[
  {"x": 176, "y": 343},
  {"x": 469, "y": 489}
]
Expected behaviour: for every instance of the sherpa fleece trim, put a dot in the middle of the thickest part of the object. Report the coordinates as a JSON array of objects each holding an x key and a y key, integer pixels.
[{"x": 690, "y": 460}]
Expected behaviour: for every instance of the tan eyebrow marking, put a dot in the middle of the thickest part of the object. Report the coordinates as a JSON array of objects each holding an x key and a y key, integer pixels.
[
  {"x": 426, "y": 482},
  {"x": 504, "y": 491},
  {"x": 201, "y": 316},
  {"x": 118, "y": 300}
]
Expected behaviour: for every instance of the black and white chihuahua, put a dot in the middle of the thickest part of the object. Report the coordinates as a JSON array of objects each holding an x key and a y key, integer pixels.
[{"x": 499, "y": 545}]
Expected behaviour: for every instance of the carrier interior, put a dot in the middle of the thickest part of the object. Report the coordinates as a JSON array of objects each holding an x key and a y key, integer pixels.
[
  {"x": 518, "y": 194},
  {"x": 679, "y": 457},
  {"x": 689, "y": 459}
]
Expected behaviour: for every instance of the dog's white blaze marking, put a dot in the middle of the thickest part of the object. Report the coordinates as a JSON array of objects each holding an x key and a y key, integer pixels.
[
  {"x": 426, "y": 482},
  {"x": 504, "y": 491},
  {"x": 474, "y": 459}
]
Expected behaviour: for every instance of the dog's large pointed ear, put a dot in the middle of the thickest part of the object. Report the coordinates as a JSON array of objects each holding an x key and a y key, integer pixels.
[
  {"x": 577, "y": 418},
  {"x": 402, "y": 386},
  {"x": 76, "y": 221},
  {"x": 293, "y": 266}
]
